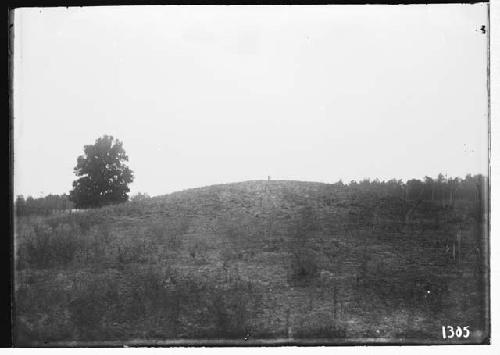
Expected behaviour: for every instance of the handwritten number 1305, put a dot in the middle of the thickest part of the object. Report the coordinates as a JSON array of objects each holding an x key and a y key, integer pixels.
[{"x": 459, "y": 332}]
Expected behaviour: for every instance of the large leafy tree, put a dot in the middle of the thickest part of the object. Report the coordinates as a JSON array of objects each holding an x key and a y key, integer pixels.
[{"x": 103, "y": 174}]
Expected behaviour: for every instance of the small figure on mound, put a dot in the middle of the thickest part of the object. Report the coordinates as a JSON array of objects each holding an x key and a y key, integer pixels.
[{"x": 268, "y": 177}]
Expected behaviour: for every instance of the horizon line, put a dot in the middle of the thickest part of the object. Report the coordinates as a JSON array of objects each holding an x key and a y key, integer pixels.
[{"x": 343, "y": 181}]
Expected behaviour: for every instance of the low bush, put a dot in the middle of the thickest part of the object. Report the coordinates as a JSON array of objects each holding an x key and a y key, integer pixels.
[
  {"x": 48, "y": 247},
  {"x": 303, "y": 268}
]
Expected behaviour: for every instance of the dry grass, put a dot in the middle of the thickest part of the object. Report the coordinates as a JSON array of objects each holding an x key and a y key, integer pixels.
[{"x": 247, "y": 261}]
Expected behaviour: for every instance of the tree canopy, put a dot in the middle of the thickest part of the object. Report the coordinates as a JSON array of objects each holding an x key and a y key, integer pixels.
[{"x": 103, "y": 174}]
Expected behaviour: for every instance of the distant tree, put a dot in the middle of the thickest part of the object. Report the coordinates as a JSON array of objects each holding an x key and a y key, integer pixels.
[
  {"x": 31, "y": 207},
  {"x": 20, "y": 205},
  {"x": 103, "y": 175},
  {"x": 395, "y": 188},
  {"x": 430, "y": 186},
  {"x": 453, "y": 185},
  {"x": 414, "y": 189},
  {"x": 139, "y": 197},
  {"x": 42, "y": 205}
]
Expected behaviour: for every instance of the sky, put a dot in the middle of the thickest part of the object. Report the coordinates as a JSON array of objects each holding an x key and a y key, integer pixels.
[{"x": 202, "y": 95}]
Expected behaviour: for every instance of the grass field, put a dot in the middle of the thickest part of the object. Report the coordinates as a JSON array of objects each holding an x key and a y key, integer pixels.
[{"x": 257, "y": 260}]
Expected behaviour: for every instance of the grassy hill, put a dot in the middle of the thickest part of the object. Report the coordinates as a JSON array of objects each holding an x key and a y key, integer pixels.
[{"x": 280, "y": 260}]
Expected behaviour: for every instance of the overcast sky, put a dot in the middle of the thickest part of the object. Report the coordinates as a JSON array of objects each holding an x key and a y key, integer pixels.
[{"x": 206, "y": 95}]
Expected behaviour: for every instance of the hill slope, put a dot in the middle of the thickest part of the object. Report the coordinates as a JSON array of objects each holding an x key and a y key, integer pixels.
[{"x": 254, "y": 260}]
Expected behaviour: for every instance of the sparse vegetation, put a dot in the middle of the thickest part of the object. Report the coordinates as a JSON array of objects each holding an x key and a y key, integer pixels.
[{"x": 276, "y": 259}]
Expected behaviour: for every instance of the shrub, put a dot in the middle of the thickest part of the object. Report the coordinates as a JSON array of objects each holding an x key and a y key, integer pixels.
[
  {"x": 224, "y": 312},
  {"x": 131, "y": 252},
  {"x": 61, "y": 241},
  {"x": 169, "y": 231},
  {"x": 303, "y": 267},
  {"x": 49, "y": 247}
]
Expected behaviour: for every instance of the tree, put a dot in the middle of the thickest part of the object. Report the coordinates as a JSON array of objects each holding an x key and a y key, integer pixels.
[
  {"x": 103, "y": 175},
  {"x": 140, "y": 197},
  {"x": 20, "y": 205}
]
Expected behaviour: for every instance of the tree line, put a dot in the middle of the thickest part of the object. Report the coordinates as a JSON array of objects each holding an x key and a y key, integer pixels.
[
  {"x": 104, "y": 176},
  {"x": 42, "y": 206},
  {"x": 441, "y": 189}
]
